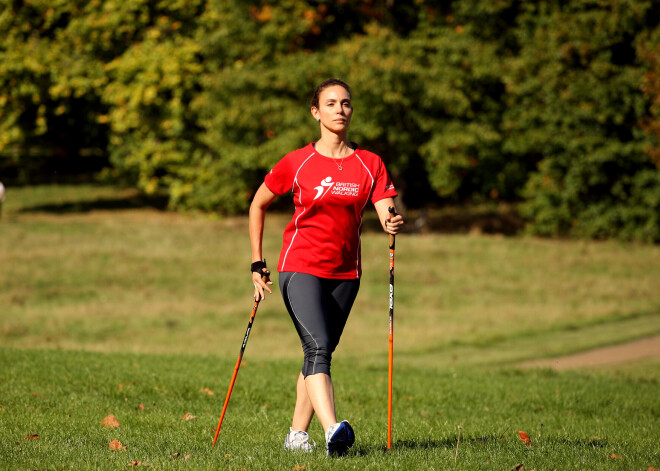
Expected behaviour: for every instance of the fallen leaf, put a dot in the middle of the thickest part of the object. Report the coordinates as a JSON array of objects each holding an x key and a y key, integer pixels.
[
  {"x": 110, "y": 422},
  {"x": 32, "y": 436},
  {"x": 227, "y": 455},
  {"x": 176, "y": 455},
  {"x": 299, "y": 468},
  {"x": 140, "y": 407},
  {"x": 116, "y": 445},
  {"x": 207, "y": 391},
  {"x": 135, "y": 463},
  {"x": 518, "y": 467},
  {"x": 615, "y": 457},
  {"x": 524, "y": 438},
  {"x": 651, "y": 468},
  {"x": 188, "y": 416}
]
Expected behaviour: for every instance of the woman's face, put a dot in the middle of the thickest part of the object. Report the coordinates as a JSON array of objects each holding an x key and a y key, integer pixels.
[{"x": 335, "y": 109}]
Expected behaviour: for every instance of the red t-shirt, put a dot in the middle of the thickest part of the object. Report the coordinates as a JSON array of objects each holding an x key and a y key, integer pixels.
[{"x": 323, "y": 237}]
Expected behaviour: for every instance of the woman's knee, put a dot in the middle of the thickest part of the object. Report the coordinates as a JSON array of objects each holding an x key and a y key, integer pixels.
[{"x": 318, "y": 358}]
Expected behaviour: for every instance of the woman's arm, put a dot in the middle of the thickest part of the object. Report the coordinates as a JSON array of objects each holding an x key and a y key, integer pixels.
[
  {"x": 262, "y": 199},
  {"x": 391, "y": 224}
]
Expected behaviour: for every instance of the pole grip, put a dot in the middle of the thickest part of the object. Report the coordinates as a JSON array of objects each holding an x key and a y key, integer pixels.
[{"x": 392, "y": 238}]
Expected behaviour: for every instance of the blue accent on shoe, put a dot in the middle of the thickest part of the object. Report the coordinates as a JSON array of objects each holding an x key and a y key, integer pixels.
[{"x": 341, "y": 440}]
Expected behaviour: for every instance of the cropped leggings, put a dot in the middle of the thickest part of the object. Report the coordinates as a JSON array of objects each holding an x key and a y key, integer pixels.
[{"x": 319, "y": 308}]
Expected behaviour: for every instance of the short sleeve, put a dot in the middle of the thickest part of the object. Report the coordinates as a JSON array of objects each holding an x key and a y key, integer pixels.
[
  {"x": 279, "y": 180},
  {"x": 383, "y": 186}
]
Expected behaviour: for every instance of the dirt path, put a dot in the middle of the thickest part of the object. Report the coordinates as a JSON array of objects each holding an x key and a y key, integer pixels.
[{"x": 636, "y": 350}]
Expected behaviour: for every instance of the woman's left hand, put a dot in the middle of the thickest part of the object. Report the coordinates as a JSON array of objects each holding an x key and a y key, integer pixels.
[{"x": 393, "y": 224}]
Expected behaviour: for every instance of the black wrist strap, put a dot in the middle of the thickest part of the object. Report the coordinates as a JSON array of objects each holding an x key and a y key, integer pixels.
[{"x": 257, "y": 267}]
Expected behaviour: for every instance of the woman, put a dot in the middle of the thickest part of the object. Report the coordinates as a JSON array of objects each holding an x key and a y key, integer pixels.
[{"x": 332, "y": 181}]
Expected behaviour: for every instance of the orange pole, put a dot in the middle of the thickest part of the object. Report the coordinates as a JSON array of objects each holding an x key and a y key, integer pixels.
[
  {"x": 238, "y": 365},
  {"x": 391, "y": 341}
]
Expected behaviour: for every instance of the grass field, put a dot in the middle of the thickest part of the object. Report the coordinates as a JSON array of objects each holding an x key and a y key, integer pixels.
[{"x": 108, "y": 304}]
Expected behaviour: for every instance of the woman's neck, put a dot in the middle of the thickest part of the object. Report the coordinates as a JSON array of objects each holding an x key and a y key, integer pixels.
[{"x": 334, "y": 146}]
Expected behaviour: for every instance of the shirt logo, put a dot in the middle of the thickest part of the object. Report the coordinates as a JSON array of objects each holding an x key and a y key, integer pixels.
[
  {"x": 346, "y": 189},
  {"x": 323, "y": 188}
]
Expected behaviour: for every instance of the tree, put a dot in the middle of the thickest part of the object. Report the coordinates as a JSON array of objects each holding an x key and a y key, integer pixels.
[
  {"x": 48, "y": 106},
  {"x": 649, "y": 50},
  {"x": 552, "y": 103},
  {"x": 575, "y": 105}
]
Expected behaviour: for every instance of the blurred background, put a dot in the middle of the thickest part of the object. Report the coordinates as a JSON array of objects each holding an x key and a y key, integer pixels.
[{"x": 546, "y": 112}]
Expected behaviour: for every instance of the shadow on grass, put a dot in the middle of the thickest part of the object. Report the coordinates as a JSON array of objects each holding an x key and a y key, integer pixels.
[
  {"x": 485, "y": 219},
  {"x": 502, "y": 219},
  {"x": 449, "y": 443},
  {"x": 134, "y": 201},
  {"x": 422, "y": 444}
]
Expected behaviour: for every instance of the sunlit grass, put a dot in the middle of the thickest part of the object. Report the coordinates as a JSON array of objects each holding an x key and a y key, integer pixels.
[
  {"x": 150, "y": 308},
  {"x": 575, "y": 420},
  {"x": 143, "y": 280}
]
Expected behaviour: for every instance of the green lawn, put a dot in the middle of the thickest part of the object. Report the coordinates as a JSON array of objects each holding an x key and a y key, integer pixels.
[
  {"x": 574, "y": 420},
  {"x": 108, "y": 304}
]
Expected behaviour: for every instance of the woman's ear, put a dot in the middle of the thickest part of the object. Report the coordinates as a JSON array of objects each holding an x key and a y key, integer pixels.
[{"x": 315, "y": 113}]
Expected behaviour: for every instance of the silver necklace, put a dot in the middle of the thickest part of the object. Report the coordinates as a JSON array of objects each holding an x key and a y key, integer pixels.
[{"x": 339, "y": 165}]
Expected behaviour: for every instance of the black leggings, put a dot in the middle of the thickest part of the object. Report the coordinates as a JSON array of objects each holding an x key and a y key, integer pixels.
[{"x": 319, "y": 308}]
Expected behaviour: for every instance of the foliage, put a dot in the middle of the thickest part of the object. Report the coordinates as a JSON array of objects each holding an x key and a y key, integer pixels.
[
  {"x": 552, "y": 103},
  {"x": 577, "y": 115},
  {"x": 649, "y": 50},
  {"x": 48, "y": 103}
]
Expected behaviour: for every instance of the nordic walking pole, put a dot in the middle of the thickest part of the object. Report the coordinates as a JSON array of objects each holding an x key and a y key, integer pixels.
[
  {"x": 266, "y": 274},
  {"x": 391, "y": 335}
]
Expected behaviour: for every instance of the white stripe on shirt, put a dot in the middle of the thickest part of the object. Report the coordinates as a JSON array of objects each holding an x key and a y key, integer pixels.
[
  {"x": 295, "y": 182},
  {"x": 373, "y": 181}
]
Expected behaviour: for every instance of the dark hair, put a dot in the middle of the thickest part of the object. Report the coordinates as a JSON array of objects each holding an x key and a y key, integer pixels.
[{"x": 325, "y": 84}]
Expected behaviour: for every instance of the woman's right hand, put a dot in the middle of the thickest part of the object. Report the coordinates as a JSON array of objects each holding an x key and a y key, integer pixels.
[
  {"x": 261, "y": 282},
  {"x": 262, "y": 199}
]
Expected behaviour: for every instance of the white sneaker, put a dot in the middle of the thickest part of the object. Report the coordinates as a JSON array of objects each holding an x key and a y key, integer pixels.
[
  {"x": 298, "y": 441},
  {"x": 339, "y": 438}
]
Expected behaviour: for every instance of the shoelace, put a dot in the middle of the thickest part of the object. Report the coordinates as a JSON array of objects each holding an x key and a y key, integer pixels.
[{"x": 302, "y": 440}]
